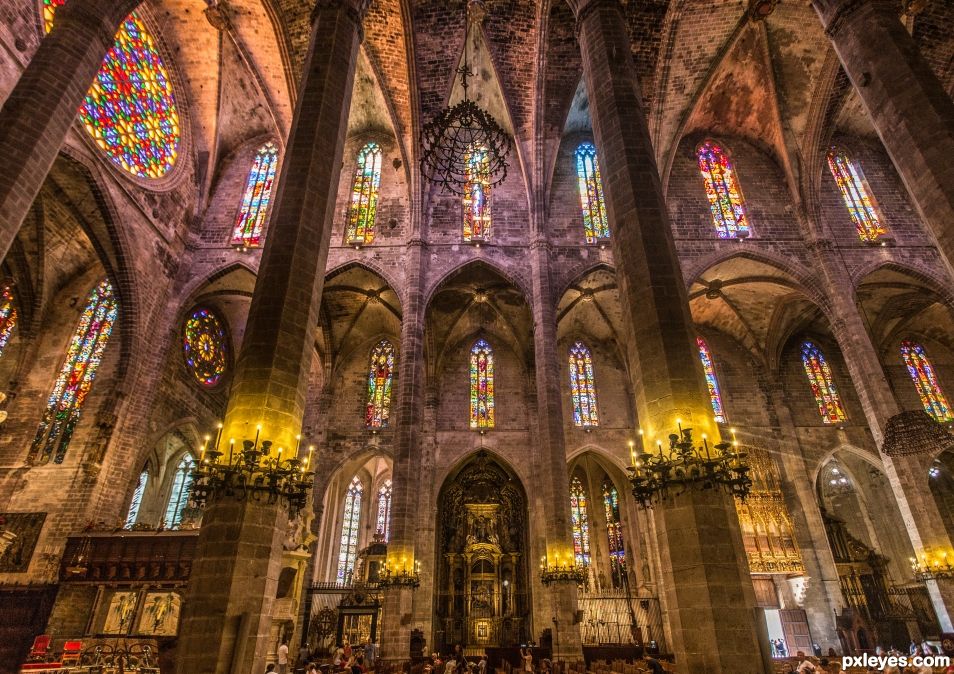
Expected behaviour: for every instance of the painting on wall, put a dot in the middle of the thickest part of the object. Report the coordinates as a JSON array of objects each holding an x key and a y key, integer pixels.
[
  {"x": 19, "y": 533},
  {"x": 117, "y": 611},
  {"x": 160, "y": 614}
]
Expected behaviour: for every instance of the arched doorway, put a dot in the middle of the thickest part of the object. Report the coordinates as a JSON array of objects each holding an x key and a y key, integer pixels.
[{"x": 482, "y": 598}]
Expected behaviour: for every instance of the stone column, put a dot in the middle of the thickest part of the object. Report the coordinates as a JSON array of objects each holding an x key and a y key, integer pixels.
[
  {"x": 709, "y": 592},
  {"x": 550, "y": 456},
  {"x": 406, "y": 506},
  {"x": 38, "y": 113},
  {"x": 226, "y": 619},
  {"x": 911, "y": 111}
]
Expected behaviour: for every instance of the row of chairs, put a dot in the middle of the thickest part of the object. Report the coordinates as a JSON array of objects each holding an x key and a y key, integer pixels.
[{"x": 42, "y": 657}]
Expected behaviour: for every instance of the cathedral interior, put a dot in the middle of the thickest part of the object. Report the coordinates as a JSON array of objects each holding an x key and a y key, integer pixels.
[{"x": 602, "y": 328}]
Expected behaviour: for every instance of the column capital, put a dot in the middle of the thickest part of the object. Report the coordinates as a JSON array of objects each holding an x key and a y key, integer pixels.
[
  {"x": 355, "y": 9},
  {"x": 583, "y": 8},
  {"x": 834, "y": 13}
]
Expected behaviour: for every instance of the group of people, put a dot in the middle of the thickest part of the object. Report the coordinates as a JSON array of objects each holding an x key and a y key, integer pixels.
[
  {"x": 456, "y": 663},
  {"x": 345, "y": 659}
]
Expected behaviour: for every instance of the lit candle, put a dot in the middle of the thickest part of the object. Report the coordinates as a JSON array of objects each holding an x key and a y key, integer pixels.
[
  {"x": 705, "y": 443},
  {"x": 218, "y": 436},
  {"x": 642, "y": 441},
  {"x": 679, "y": 426},
  {"x": 258, "y": 430},
  {"x": 297, "y": 444},
  {"x": 279, "y": 455},
  {"x": 632, "y": 454},
  {"x": 231, "y": 447},
  {"x": 659, "y": 446}
]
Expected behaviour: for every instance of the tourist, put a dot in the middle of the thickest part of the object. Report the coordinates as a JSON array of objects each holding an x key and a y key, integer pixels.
[
  {"x": 338, "y": 660},
  {"x": 482, "y": 665},
  {"x": 450, "y": 665},
  {"x": 527, "y": 659},
  {"x": 655, "y": 667},
  {"x": 283, "y": 658},
  {"x": 269, "y": 669},
  {"x": 806, "y": 665}
]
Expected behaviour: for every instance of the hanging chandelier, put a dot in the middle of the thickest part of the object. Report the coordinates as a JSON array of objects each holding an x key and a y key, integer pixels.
[
  {"x": 687, "y": 466},
  {"x": 464, "y": 142}
]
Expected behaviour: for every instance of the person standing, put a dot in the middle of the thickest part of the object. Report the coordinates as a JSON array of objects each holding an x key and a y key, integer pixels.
[
  {"x": 527, "y": 659},
  {"x": 283, "y": 658}
]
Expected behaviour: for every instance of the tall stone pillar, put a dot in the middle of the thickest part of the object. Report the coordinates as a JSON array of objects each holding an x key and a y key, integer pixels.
[
  {"x": 408, "y": 419},
  {"x": 708, "y": 589},
  {"x": 38, "y": 113},
  {"x": 226, "y": 619},
  {"x": 911, "y": 111},
  {"x": 550, "y": 455}
]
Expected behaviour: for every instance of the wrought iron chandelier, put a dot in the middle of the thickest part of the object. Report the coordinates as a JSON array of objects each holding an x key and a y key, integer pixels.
[
  {"x": 687, "y": 466},
  {"x": 406, "y": 577},
  {"x": 567, "y": 572},
  {"x": 464, "y": 140},
  {"x": 253, "y": 475},
  {"x": 935, "y": 567}
]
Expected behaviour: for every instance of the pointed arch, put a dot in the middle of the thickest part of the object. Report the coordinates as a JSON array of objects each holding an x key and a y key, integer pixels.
[
  {"x": 481, "y": 385},
  {"x": 595, "y": 223},
  {"x": 253, "y": 211},
  {"x": 380, "y": 377},
  {"x": 580, "y": 522},
  {"x": 179, "y": 495},
  {"x": 476, "y": 200},
  {"x": 583, "y": 386},
  {"x": 614, "y": 532},
  {"x": 715, "y": 395},
  {"x": 723, "y": 191},
  {"x": 382, "y": 525},
  {"x": 133, "y": 513},
  {"x": 925, "y": 380},
  {"x": 83, "y": 357},
  {"x": 822, "y": 383},
  {"x": 856, "y": 194},
  {"x": 364, "y": 195},
  {"x": 348, "y": 546}
]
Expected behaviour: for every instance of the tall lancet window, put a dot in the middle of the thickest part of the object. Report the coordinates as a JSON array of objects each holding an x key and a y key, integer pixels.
[
  {"x": 250, "y": 221},
  {"x": 583, "y": 386},
  {"x": 715, "y": 396},
  {"x": 476, "y": 200},
  {"x": 179, "y": 496},
  {"x": 8, "y": 317},
  {"x": 382, "y": 526},
  {"x": 364, "y": 195},
  {"x": 481, "y": 385},
  {"x": 858, "y": 199},
  {"x": 595, "y": 224},
  {"x": 348, "y": 549},
  {"x": 925, "y": 380},
  {"x": 380, "y": 375},
  {"x": 823, "y": 384},
  {"x": 133, "y": 514},
  {"x": 580, "y": 522},
  {"x": 76, "y": 376},
  {"x": 723, "y": 191},
  {"x": 614, "y": 532}
]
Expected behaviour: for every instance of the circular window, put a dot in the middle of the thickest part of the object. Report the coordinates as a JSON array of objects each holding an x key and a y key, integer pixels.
[
  {"x": 205, "y": 346},
  {"x": 130, "y": 110}
]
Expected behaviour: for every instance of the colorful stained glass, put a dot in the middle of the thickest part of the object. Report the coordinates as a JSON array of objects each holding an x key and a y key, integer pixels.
[
  {"x": 136, "y": 502},
  {"x": 723, "y": 191},
  {"x": 854, "y": 190},
  {"x": 205, "y": 347},
  {"x": 481, "y": 385},
  {"x": 823, "y": 384},
  {"x": 583, "y": 386},
  {"x": 380, "y": 376},
  {"x": 713, "y": 384},
  {"x": 595, "y": 224},
  {"x": 580, "y": 522},
  {"x": 73, "y": 383},
  {"x": 364, "y": 195},
  {"x": 179, "y": 496},
  {"x": 8, "y": 317},
  {"x": 925, "y": 380},
  {"x": 477, "y": 196},
  {"x": 348, "y": 550},
  {"x": 382, "y": 526},
  {"x": 130, "y": 111},
  {"x": 250, "y": 221},
  {"x": 614, "y": 533}
]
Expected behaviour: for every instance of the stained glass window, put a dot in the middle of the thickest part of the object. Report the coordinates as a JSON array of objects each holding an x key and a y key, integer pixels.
[
  {"x": 481, "y": 385},
  {"x": 73, "y": 383},
  {"x": 580, "y": 522},
  {"x": 722, "y": 188},
  {"x": 591, "y": 194},
  {"x": 133, "y": 513},
  {"x": 583, "y": 386},
  {"x": 179, "y": 496},
  {"x": 250, "y": 221},
  {"x": 348, "y": 551},
  {"x": 477, "y": 196},
  {"x": 822, "y": 383},
  {"x": 925, "y": 380},
  {"x": 614, "y": 532},
  {"x": 8, "y": 317},
  {"x": 380, "y": 375},
  {"x": 130, "y": 111},
  {"x": 382, "y": 526},
  {"x": 713, "y": 384},
  {"x": 205, "y": 346},
  {"x": 364, "y": 195},
  {"x": 854, "y": 190}
]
